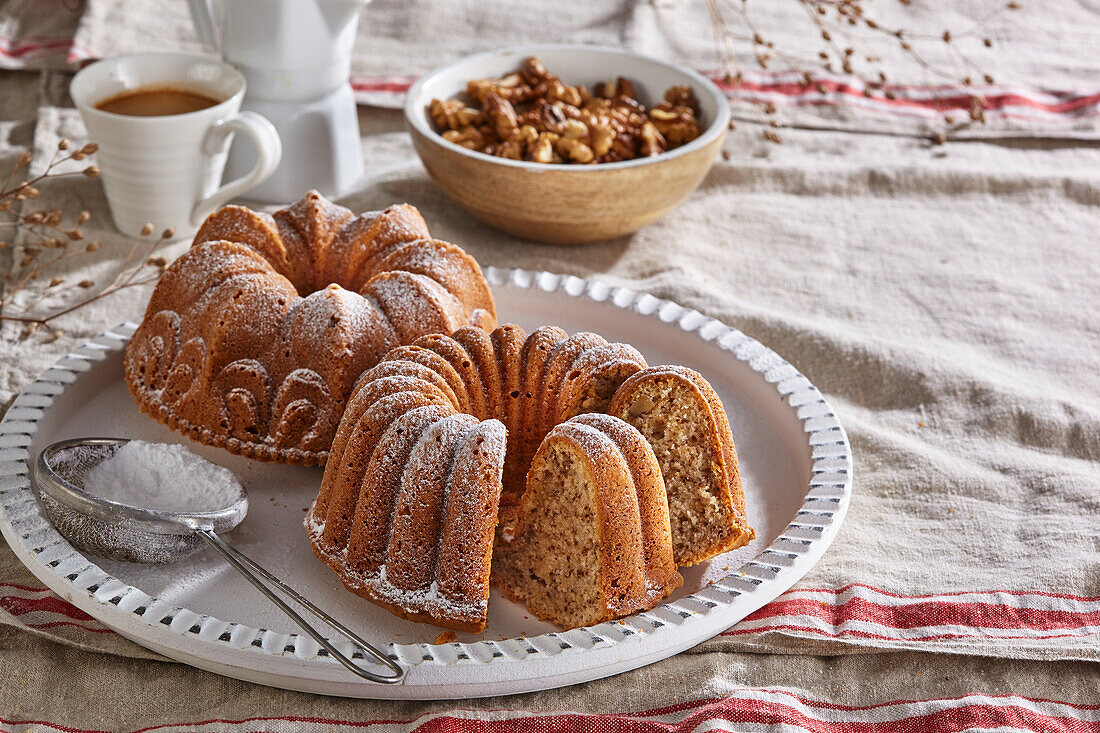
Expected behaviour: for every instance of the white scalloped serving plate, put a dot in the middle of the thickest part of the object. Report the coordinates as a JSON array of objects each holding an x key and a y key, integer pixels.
[{"x": 795, "y": 462}]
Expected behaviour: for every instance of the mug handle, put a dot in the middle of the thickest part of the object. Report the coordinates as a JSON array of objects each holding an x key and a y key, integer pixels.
[{"x": 269, "y": 151}]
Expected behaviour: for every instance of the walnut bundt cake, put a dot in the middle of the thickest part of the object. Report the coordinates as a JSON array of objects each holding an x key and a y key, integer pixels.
[
  {"x": 254, "y": 337},
  {"x": 589, "y": 541},
  {"x": 515, "y": 389}
]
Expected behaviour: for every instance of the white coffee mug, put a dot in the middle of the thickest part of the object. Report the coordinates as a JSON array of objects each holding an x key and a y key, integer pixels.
[{"x": 165, "y": 169}]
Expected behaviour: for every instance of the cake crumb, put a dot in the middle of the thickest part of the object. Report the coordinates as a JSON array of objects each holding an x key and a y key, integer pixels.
[{"x": 445, "y": 638}]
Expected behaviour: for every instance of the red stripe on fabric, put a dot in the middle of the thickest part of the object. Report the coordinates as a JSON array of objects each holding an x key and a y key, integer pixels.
[
  {"x": 949, "y": 720},
  {"x": 730, "y": 709},
  {"x": 51, "y": 624},
  {"x": 892, "y": 594},
  {"x": 930, "y": 613},
  {"x": 23, "y": 587},
  {"x": 869, "y": 635},
  {"x": 856, "y": 103},
  {"x": 23, "y": 47},
  {"x": 394, "y": 86},
  {"x": 809, "y": 702},
  {"x": 960, "y": 100},
  {"x": 33, "y": 41},
  {"x": 17, "y": 606}
]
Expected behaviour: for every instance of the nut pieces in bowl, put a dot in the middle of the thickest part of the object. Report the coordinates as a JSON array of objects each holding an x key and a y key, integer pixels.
[
  {"x": 532, "y": 115},
  {"x": 626, "y": 152}
]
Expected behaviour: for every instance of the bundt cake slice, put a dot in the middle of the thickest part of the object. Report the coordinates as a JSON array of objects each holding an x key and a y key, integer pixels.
[
  {"x": 590, "y": 541},
  {"x": 254, "y": 337},
  {"x": 421, "y": 540},
  {"x": 682, "y": 418},
  {"x": 408, "y": 507}
]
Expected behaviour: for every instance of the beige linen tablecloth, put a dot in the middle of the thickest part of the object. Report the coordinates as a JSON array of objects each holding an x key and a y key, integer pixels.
[{"x": 944, "y": 298}]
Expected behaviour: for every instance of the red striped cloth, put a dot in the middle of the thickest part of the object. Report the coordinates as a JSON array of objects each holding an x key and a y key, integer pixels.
[
  {"x": 39, "y": 608},
  {"x": 862, "y": 611},
  {"x": 854, "y": 612},
  {"x": 782, "y": 89},
  {"x": 747, "y": 709},
  {"x": 787, "y": 89}
]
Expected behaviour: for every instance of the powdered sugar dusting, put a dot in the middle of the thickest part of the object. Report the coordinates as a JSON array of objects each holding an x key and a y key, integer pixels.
[{"x": 162, "y": 477}]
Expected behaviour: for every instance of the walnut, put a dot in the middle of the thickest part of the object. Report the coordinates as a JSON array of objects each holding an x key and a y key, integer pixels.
[
  {"x": 451, "y": 115},
  {"x": 501, "y": 115},
  {"x": 512, "y": 149},
  {"x": 600, "y": 139},
  {"x": 620, "y": 87},
  {"x": 556, "y": 91},
  {"x": 552, "y": 117},
  {"x": 682, "y": 96},
  {"x": 468, "y": 137},
  {"x": 531, "y": 114},
  {"x": 677, "y": 124},
  {"x": 528, "y": 134},
  {"x": 440, "y": 113},
  {"x": 543, "y": 149},
  {"x": 653, "y": 143},
  {"x": 510, "y": 88},
  {"x": 575, "y": 129},
  {"x": 575, "y": 150},
  {"x": 534, "y": 72}
]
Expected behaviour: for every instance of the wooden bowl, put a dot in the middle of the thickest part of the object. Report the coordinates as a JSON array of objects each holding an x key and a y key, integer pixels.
[{"x": 567, "y": 203}]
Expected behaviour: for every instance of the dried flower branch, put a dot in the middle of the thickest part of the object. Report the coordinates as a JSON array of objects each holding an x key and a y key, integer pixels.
[
  {"x": 28, "y": 275},
  {"x": 841, "y": 25}
]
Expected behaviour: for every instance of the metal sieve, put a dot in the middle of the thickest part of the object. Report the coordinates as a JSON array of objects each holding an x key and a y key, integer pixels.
[{"x": 122, "y": 532}]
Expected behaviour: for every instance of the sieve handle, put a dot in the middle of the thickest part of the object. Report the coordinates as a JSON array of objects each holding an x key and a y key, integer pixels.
[{"x": 250, "y": 570}]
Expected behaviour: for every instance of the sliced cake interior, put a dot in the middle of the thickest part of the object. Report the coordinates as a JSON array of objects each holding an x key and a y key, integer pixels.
[
  {"x": 580, "y": 550},
  {"x": 681, "y": 417}
]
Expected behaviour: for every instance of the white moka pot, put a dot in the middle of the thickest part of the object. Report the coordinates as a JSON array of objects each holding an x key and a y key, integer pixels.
[{"x": 296, "y": 57}]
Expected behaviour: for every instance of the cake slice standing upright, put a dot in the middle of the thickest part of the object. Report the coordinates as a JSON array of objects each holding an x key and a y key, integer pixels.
[{"x": 678, "y": 412}]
